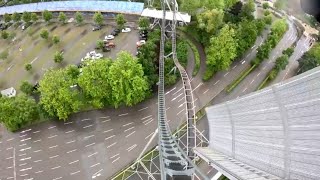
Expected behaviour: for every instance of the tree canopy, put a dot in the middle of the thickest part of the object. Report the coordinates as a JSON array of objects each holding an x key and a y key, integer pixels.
[
  {"x": 98, "y": 18},
  {"x": 16, "y": 17},
  {"x": 62, "y": 17},
  {"x": 26, "y": 17},
  {"x": 310, "y": 59},
  {"x": 120, "y": 20},
  {"x": 210, "y": 20},
  {"x": 47, "y": 15},
  {"x": 246, "y": 34},
  {"x": 79, "y": 17},
  {"x": 26, "y": 87},
  {"x": 144, "y": 23}
]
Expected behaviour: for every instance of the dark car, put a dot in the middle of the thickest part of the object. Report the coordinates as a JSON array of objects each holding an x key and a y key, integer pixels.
[
  {"x": 96, "y": 28},
  {"x": 143, "y": 38},
  {"x": 3, "y": 26},
  {"x": 115, "y": 32},
  {"x": 143, "y": 32},
  {"x": 106, "y": 49}
]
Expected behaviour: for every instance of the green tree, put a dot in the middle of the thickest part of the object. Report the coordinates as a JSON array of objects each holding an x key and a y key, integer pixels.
[
  {"x": 248, "y": 10},
  {"x": 18, "y": 112},
  {"x": 222, "y": 50},
  {"x": 57, "y": 97},
  {"x": 28, "y": 67},
  {"x": 128, "y": 83},
  {"x": 288, "y": 51},
  {"x": 282, "y": 62},
  {"x": 55, "y": 39},
  {"x": 120, "y": 20},
  {"x": 98, "y": 18},
  {"x": 62, "y": 17},
  {"x": 263, "y": 51},
  {"x": 58, "y": 57},
  {"x": 265, "y": 5},
  {"x": 4, "y": 35},
  {"x": 94, "y": 81},
  {"x": 47, "y": 15},
  {"x": 16, "y": 17},
  {"x": 34, "y": 17},
  {"x": 144, "y": 23},
  {"x": 7, "y": 17},
  {"x": 79, "y": 17},
  {"x": 279, "y": 27},
  {"x": 190, "y": 6},
  {"x": 44, "y": 34},
  {"x": 280, "y": 4},
  {"x": 310, "y": 59},
  {"x": 246, "y": 35},
  {"x": 268, "y": 19},
  {"x": 266, "y": 13},
  {"x": 4, "y": 54},
  {"x": 26, "y": 87},
  {"x": 273, "y": 74},
  {"x": 26, "y": 17},
  {"x": 100, "y": 44},
  {"x": 210, "y": 20},
  {"x": 260, "y": 25}
]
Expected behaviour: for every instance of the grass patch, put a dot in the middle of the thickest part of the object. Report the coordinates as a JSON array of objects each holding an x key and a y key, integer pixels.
[
  {"x": 244, "y": 74},
  {"x": 196, "y": 58}
]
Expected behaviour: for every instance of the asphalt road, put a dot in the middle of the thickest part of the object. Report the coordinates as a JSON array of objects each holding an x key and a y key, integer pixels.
[{"x": 96, "y": 144}]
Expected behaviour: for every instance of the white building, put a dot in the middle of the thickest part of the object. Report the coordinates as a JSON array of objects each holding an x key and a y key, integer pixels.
[{"x": 10, "y": 92}]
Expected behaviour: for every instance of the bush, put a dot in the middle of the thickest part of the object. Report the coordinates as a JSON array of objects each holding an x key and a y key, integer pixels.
[
  {"x": 208, "y": 75},
  {"x": 288, "y": 51},
  {"x": 100, "y": 44},
  {"x": 79, "y": 17},
  {"x": 55, "y": 39},
  {"x": 268, "y": 19},
  {"x": 4, "y": 54},
  {"x": 265, "y": 5},
  {"x": 266, "y": 13},
  {"x": 44, "y": 34},
  {"x": 196, "y": 58},
  {"x": 58, "y": 57},
  {"x": 4, "y": 35},
  {"x": 182, "y": 52},
  {"x": 28, "y": 67},
  {"x": 26, "y": 87}
]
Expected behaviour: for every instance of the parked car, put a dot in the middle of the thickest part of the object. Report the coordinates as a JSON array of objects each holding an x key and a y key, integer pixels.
[
  {"x": 142, "y": 38},
  {"x": 96, "y": 28},
  {"x": 126, "y": 30},
  {"x": 109, "y": 37},
  {"x": 140, "y": 43},
  {"x": 109, "y": 44},
  {"x": 3, "y": 26},
  {"x": 143, "y": 32},
  {"x": 106, "y": 49},
  {"x": 115, "y": 32}
]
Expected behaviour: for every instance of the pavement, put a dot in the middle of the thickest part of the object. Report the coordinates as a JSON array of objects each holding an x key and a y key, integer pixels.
[{"x": 96, "y": 144}]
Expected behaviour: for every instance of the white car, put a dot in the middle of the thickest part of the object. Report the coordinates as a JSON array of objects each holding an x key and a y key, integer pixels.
[
  {"x": 109, "y": 37},
  {"x": 99, "y": 55},
  {"x": 140, "y": 43},
  {"x": 126, "y": 30}
]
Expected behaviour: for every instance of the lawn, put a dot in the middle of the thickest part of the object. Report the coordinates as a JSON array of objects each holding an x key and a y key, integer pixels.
[{"x": 28, "y": 47}]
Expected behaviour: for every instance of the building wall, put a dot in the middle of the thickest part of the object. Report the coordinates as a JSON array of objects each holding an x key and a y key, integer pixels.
[{"x": 276, "y": 130}]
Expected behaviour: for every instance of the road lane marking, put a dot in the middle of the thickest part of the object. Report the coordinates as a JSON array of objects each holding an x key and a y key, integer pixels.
[
  {"x": 57, "y": 178},
  {"x": 56, "y": 167},
  {"x": 22, "y": 140},
  {"x": 88, "y": 145},
  {"x": 87, "y": 126},
  {"x": 123, "y": 114},
  {"x": 10, "y": 167},
  {"x": 9, "y": 157},
  {"x": 111, "y": 145},
  {"x": 51, "y": 157},
  {"x": 87, "y": 137},
  {"x": 114, "y": 156},
  {"x": 146, "y": 117},
  {"x": 22, "y": 144},
  {"x": 72, "y": 151},
  {"x": 38, "y": 172},
  {"x": 23, "y": 159},
  {"x": 25, "y": 169},
  {"x": 197, "y": 87},
  {"x": 243, "y": 62},
  {"x": 107, "y": 120},
  {"x": 37, "y": 161},
  {"x": 23, "y": 135},
  {"x": 115, "y": 160},
  {"x": 25, "y": 131},
  {"x": 35, "y": 132},
  {"x": 72, "y": 141},
  {"x": 66, "y": 123},
  {"x": 22, "y": 154},
  {"x": 180, "y": 111},
  {"x": 22, "y": 164},
  {"x": 104, "y": 117},
  {"x": 85, "y": 120},
  {"x": 130, "y": 134},
  {"x": 205, "y": 91},
  {"x": 127, "y": 124},
  {"x": 181, "y": 105},
  {"x": 22, "y": 175},
  {"x": 181, "y": 99},
  {"x": 94, "y": 165},
  {"x": 52, "y": 127},
  {"x": 131, "y": 147},
  {"x": 109, "y": 137},
  {"x": 251, "y": 82},
  {"x": 107, "y": 130},
  {"x": 128, "y": 129},
  {"x": 177, "y": 91},
  {"x": 244, "y": 89},
  {"x": 69, "y": 131},
  {"x": 168, "y": 108},
  {"x": 216, "y": 82},
  {"x": 176, "y": 97},
  {"x": 149, "y": 135},
  {"x": 148, "y": 122},
  {"x": 92, "y": 154},
  {"x": 53, "y": 146},
  {"x": 25, "y": 149},
  {"x": 73, "y": 173},
  {"x": 52, "y": 136},
  {"x": 258, "y": 74},
  {"x": 73, "y": 162},
  {"x": 234, "y": 67},
  {"x": 37, "y": 140},
  {"x": 143, "y": 109},
  {"x": 226, "y": 74},
  {"x": 39, "y": 150}
]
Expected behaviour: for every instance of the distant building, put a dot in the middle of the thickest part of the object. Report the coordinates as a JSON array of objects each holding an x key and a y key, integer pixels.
[{"x": 10, "y": 92}]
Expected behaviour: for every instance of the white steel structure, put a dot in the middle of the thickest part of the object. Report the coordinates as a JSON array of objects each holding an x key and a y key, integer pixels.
[{"x": 270, "y": 134}]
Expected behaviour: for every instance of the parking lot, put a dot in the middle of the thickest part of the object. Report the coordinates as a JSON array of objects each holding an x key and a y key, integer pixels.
[{"x": 76, "y": 41}]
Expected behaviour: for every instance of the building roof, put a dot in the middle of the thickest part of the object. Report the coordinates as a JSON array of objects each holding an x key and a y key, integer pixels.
[
  {"x": 102, "y": 6},
  {"x": 183, "y": 17}
]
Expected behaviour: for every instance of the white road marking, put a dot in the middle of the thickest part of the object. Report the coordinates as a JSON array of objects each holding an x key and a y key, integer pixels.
[
  {"x": 205, "y": 91},
  {"x": 149, "y": 135},
  {"x": 53, "y": 146},
  {"x": 181, "y": 105},
  {"x": 216, "y": 82},
  {"x": 10, "y": 177},
  {"x": 23, "y": 159},
  {"x": 128, "y": 129},
  {"x": 107, "y": 130},
  {"x": 146, "y": 117},
  {"x": 127, "y": 124},
  {"x": 92, "y": 154},
  {"x": 51, "y": 157},
  {"x": 74, "y": 173},
  {"x": 37, "y": 140},
  {"x": 38, "y": 172},
  {"x": 22, "y": 164},
  {"x": 14, "y": 164},
  {"x": 168, "y": 108},
  {"x": 72, "y": 141},
  {"x": 143, "y": 109},
  {"x": 243, "y": 62},
  {"x": 148, "y": 122},
  {"x": 10, "y": 167},
  {"x": 177, "y": 91},
  {"x": 258, "y": 74},
  {"x": 176, "y": 97},
  {"x": 36, "y": 132},
  {"x": 87, "y": 137},
  {"x": 22, "y": 140},
  {"x": 72, "y": 151},
  {"x": 104, "y": 117},
  {"x": 10, "y": 139},
  {"x": 234, "y": 67},
  {"x": 22, "y": 144},
  {"x": 73, "y": 162},
  {"x": 66, "y": 123},
  {"x": 181, "y": 99},
  {"x": 111, "y": 145},
  {"x": 131, "y": 147},
  {"x": 23, "y": 135},
  {"x": 52, "y": 127},
  {"x": 27, "y": 130},
  {"x": 25, "y": 169},
  {"x": 22, "y": 175},
  {"x": 123, "y": 114},
  {"x": 57, "y": 178},
  {"x": 85, "y": 119},
  {"x": 22, "y": 154},
  {"x": 107, "y": 120},
  {"x": 69, "y": 131},
  {"x": 197, "y": 87},
  {"x": 180, "y": 111},
  {"x": 39, "y": 150},
  {"x": 37, "y": 161},
  {"x": 130, "y": 134},
  {"x": 115, "y": 160},
  {"x": 25, "y": 149},
  {"x": 94, "y": 165},
  {"x": 251, "y": 82},
  {"x": 226, "y": 74},
  {"x": 90, "y": 144},
  {"x": 245, "y": 89},
  {"x": 9, "y": 148},
  {"x": 87, "y": 126},
  {"x": 114, "y": 156},
  {"x": 52, "y": 136},
  {"x": 56, "y": 167},
  {"x": 9, "y": 157}
]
